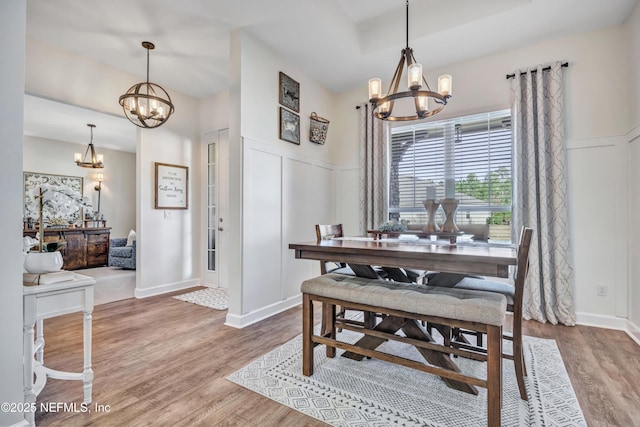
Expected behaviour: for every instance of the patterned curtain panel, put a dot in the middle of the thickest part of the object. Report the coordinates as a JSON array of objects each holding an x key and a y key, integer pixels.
[
  {"x": 541, "y": 192},
  {"x": 373, "y": 170}
]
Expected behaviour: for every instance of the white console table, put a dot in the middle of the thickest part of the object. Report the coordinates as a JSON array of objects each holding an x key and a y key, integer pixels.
[{"x": 51, "y": 300}]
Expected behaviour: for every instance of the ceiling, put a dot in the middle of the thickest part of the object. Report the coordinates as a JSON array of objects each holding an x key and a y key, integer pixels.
[
  {"x": 340, "y": 43},
  {"x": 45, "y": 118}
]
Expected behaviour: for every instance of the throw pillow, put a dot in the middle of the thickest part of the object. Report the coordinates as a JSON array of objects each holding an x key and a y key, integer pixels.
[{"x": 131, "y": 238}]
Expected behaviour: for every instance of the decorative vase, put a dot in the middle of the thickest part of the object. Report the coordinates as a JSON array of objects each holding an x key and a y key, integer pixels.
[
  {"x": 431, "y": 206},
  {"x": 42, "y": 262},
  {"x": 450, "y": 206}
]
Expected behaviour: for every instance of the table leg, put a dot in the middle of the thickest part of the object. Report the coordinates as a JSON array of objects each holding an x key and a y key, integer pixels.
[
  {"x": 412, "y": 330},
  {"x": 27, "y": 379},
  {"x": 40, "y": 341},
  {"x": 87, "y": 372},
  {"x": 389, "y": 324}
]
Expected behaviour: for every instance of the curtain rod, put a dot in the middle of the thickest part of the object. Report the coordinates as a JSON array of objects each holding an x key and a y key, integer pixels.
[{"x": 510, "y": 76}]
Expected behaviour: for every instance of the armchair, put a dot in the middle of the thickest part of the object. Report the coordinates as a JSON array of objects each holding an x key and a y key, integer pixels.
[{"x": 121, "y": 255}]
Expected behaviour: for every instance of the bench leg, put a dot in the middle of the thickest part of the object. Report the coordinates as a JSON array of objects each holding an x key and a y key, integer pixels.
[
  {"x": 331, "y": 333},
  {"x": 307, "y": 333},
  {"x": 494, "y": 375}
]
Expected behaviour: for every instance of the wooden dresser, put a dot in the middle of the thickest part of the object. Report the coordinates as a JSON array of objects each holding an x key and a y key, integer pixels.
[{"x": 86, "y": 247}]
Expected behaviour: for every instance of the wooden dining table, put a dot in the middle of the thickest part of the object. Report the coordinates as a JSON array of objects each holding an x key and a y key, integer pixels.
[{"x": 479, "y": 258}]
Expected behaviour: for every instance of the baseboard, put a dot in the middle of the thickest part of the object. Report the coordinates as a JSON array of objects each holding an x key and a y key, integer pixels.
[
  {"x": 241, "y": 321},
  {"x": 610, "y": 322},
  {"x": 633, "y": 331},
  {"x": 600, "y": 321},
  {"x": 168, "y": 287},
  {"x": 23, "y": 423}
]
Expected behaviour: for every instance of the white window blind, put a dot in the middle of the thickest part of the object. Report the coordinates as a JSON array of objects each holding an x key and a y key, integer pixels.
[{"x": 467, "y": 158}]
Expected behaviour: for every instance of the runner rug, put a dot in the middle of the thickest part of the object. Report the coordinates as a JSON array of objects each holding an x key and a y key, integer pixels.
[
  {"x": 211, "y": 297},
  {"x": 344, "y": 392}
]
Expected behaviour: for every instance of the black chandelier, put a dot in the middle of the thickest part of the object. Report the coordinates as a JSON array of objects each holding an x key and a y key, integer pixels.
[
  {"x": 383, "y": 104},
  {"x": 90, "y": 158},
  {"x": 146, "y": 104}
]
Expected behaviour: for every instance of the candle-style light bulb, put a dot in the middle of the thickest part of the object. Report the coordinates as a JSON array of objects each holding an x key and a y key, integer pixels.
[
  {"x": 154, "y": 107},
  {"x": 422, "y": 105},
  {"x": 444, "y": 85},
  {"x": 375, "y": 88},
  {"x": 77, "y": 157},
  {"x": 415, "y": 76},
  {"x": 131, "y": 104}
]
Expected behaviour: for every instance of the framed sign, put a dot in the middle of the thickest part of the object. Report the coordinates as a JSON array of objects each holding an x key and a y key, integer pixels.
[{"x": 172, "y": 186}]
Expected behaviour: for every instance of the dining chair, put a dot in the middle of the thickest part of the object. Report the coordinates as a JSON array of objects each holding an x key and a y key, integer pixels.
[
  {"x": 328, "y": 232},
  {"x": 514, "y": 294}
]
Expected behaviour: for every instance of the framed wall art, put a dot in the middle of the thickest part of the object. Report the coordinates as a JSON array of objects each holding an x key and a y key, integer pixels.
[
  {"x": 32, "y": 180},
  {"x": 289, "y": 126},
  {"x": 289, "y": 93},
  {"x": 172, "y": 186}
]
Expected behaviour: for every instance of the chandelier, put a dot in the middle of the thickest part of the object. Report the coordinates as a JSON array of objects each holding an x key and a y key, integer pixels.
[
  {"x": 90, "y": 158},
  {"x": 383, "y": 104},
  {"x": 146, "y": 104}
]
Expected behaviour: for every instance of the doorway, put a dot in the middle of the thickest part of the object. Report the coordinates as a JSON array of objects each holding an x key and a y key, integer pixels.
[{"x": 216, "y": 147}]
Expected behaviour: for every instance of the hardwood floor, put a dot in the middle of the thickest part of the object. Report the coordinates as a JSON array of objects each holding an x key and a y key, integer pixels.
[{"x": 160, "y": 361}]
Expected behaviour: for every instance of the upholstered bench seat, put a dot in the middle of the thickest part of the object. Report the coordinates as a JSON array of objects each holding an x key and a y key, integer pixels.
[
  {"x": 459, "y": 281},
  {"x": 461, "y": 304},
  {"x": 403, "y": 306}
]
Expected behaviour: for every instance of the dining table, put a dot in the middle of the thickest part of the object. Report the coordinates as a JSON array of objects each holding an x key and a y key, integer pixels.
[
  {"x": 466, "y": 257},
  {"x": 462, "y": 256}
]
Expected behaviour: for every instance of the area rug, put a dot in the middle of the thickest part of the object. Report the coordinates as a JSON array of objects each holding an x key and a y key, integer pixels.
[
  {"x": 344, "y": 392},
  {"x": 211, "y": 297}
]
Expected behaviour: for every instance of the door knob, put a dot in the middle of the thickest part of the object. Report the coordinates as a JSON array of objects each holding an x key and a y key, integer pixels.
[{"x": 220, "y": 229}]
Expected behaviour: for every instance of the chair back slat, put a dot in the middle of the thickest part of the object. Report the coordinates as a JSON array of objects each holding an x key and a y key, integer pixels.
[
  {"x": 526, "y": 234},
  {"x": 327, "y": 231},
  {"x": 324, "y": 231}
]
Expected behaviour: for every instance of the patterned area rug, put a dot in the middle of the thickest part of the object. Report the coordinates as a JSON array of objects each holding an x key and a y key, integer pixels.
[
  {"x": 211, "y": 297},
  {"x": 344, "y": 392}
]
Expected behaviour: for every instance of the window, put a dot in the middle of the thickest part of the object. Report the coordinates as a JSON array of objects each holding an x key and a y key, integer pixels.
[
  {"x": 211, "y": 207},
  {"x": 467, "y": 158}
]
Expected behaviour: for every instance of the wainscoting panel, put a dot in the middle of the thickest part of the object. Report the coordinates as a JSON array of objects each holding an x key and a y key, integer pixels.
[
  {"x": 299, "y": 206},
  {"x": 598, "y": 207},
  {"x": 262, "y": 228},
  {"x": 285, "y": 194}
]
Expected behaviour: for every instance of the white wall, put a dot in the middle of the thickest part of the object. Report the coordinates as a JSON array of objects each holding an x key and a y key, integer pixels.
[
  {"x": 118, "y": 198},
  {"x": 285, "y": 188},
  {"x": 213, "y": 112},
  {"x": 12, "y": 33},
  {"x": 596, "y": 120},
  {"x": 168, "y": 240},
  {"x": 632, "y": 32},
  {"x": 348, "y": 168},
  {"x": 632, "y": 27}
]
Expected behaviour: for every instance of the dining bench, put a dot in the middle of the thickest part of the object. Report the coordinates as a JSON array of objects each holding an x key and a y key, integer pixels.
[{"x": 402, "y": 306}]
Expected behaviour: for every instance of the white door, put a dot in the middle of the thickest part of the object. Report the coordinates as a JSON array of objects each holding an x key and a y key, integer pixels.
[{"x": 216, "y": 272}]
